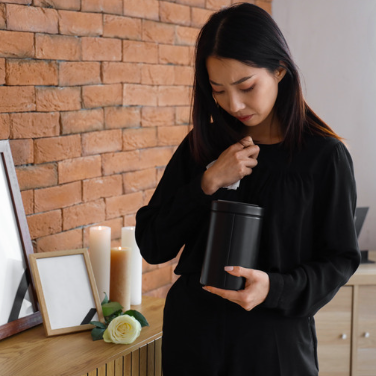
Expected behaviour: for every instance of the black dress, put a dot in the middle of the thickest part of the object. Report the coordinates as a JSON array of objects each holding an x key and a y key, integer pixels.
[{"x": 308, "y": 248}]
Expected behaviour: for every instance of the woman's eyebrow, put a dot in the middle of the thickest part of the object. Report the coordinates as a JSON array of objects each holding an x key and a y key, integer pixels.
[{"x": 234, "y": 83}]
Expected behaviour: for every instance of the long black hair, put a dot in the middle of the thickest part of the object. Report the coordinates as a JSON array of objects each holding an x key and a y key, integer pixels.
[{"x": 246, "y": 33}]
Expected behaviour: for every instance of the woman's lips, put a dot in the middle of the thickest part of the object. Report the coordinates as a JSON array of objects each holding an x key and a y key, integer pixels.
[{"x": 244, "y": 118}]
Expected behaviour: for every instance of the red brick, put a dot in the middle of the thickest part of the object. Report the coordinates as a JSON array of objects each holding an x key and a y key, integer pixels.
[
  {"x": 57, "y": 47},
  {"x": 174, "y": 96},
  {"x": 114, "y": 72},
  {"x": 217, "y": 4},
  {"x": 59, "y": 242},
  {"x": 74, "y": 74},
  {"x": 16, "y": 44},
  {"x": 141, "y": 95},
  {"x": 123, "y": 205},
  {"x": 129, "y": 220},
  {"x": 183, "y": 75},
  {"x": 183, "y": 115},
  {"x": 122, "y": 117},
  {"x": 148, "y": 194},
  {"x": 200, "y": 16},
  {"x": 101, "y": 142},
  {"x": 59, "y": 4},
  {"x": 38, "y": 176},
  {"x": 158, "y": 32},
  {"x": 35, "y": 19},
  {"x": 83, "y": 214},
  {"x": 2, "y": 71},
  {"x": 28, "y": 201},
  {"x": 177, "y": 55},
  {"x": 116, "y": 224},
  {"x": 160, "y": 292},
  {"x": 140, "y": 180},
  {"x": 31, "y": 72},
  {"x": 153, "y": 74},
  {"x": 121, "y": 27},
  {"x": 58, "y": 99},
  {"x": 22, "y": 151},
  {"x": 34, "y": 125},
  {"x": 57, "y": 197},
  {"x": 107, "y": 186},
  {"x": 114, "y": 163},
  {"x": 193, "y": 3},
  {"x": 174, "y": 13},
  {"x": 160, "y": 172},
  {"x": 102, "y": 95},
  {"x": 101, "y": 49},
  {"x": 25, "y": 2},
  {"x": 17, "y": 98},
  {"x": 158, "y": 116},
  {"x": 155, "y": 157},
  {"x": 171, "y": 135},
  {"x": 44, "y": 224},
  {"x": 79, "y": 169},
  {"x": 81, "y": 121},
  {"x": 3, "y": 21},
  {"x": 80, "y": 24},
  {"x": 148, "y": 267},
  {"x": 156, "y": 278},
  {"x": 142, "y": 8},
  {"x": 266, "y": 5},
  {"x": 186, "y": 35},
  {"x": 142, "y": 52},
  {"x": 57, "y": 148},
  {"x": 4, "y": 126},
  {"x": 105, "y": 6},
  {"x": 139, "y": 138}
]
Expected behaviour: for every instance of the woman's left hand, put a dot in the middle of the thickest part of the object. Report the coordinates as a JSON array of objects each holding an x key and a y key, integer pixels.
[{"x": 256, "y": 288}]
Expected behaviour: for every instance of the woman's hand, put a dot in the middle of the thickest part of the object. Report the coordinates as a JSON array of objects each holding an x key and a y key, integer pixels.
[
  {"x": 256, "y": 289},
  {"x": 232, "y": 165}
]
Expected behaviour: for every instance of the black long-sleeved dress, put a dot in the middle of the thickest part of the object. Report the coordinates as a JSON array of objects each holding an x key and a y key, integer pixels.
[{"x": 308, "y": 248}]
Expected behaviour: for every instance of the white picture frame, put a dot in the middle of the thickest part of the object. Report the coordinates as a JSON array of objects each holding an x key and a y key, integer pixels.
[{"x": 66, "y": 290}]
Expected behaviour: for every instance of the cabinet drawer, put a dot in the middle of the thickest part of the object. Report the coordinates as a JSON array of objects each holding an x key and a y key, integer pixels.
[
  {"x": 333, "y": 325},
  {"x": 367, "y": 331}
]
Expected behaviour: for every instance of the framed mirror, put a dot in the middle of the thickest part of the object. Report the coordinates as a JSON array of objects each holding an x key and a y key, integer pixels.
[{"x": 18, "y": 304}]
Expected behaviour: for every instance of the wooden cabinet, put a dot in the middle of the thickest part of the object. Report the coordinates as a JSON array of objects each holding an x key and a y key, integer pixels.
[
  {"x": 31, "y": 353},
  {"x": 346, "y": 327}
]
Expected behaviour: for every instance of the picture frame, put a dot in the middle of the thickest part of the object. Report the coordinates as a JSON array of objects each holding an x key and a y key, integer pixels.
[
  {"x": 66, "y": 291},
  {"x": 18, "y": 304}
]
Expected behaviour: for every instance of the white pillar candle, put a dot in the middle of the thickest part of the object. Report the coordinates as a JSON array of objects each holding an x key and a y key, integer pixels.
[
  {"x": 100, "y": 257},
  {"x": 128, "y": 240}
]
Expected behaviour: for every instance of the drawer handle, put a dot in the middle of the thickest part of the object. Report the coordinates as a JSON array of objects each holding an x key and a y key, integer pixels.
[
  {"x": 367, "y": 335},
  {"x": 344, "y": 336}
]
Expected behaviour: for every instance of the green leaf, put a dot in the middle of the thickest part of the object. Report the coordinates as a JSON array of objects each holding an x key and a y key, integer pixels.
[
  {"x": 105, "y": 299},
  {"x": 98, "y": 324},
  {"x": 97, "y": 333},
  {"x": 138, "y": 316},
  {"x": 110, "y": 308}
]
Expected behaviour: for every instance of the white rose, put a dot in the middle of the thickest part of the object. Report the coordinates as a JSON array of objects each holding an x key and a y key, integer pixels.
[{"x": 122, "y": 329}]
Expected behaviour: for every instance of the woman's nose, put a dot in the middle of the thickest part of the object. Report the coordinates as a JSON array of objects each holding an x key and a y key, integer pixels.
[{"x": 235, "y": 104}]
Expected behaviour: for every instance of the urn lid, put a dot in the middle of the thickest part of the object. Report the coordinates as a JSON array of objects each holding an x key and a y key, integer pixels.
[{"x": 237, "y": 208}]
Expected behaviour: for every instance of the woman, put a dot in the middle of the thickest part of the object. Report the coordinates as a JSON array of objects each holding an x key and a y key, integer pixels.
[{"x": 249, "y": 116}]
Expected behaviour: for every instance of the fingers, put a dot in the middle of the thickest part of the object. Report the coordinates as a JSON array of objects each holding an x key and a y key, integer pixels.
[{"x": 246, "y": 141}]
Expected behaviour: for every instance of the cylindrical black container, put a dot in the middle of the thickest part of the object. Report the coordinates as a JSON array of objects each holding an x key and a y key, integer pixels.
[{"x": 233, "y": 240}]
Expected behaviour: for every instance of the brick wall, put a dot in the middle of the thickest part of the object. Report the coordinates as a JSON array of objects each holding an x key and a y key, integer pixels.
[{"x": 95, "y": 97}]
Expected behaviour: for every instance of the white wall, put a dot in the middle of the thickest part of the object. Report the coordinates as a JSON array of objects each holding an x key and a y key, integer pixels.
[{"x": 333, "y": 43}]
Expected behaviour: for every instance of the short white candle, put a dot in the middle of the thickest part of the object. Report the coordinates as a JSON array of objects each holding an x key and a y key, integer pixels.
[
  {"x": 128, "y": 240},
  {"x": 100, "y": 257}
]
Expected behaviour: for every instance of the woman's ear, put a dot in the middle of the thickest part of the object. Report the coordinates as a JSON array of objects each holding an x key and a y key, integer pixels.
[{"x": 280, "y": 71}]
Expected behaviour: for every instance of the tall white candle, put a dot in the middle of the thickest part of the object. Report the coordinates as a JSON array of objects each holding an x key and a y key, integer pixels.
[
  {"x": 100, "y": 257},
  {"x": 128, "y": 240}
]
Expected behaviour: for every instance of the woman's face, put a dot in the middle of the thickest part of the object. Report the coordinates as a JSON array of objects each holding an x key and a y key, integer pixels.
[{"x": 245, "y": 92}]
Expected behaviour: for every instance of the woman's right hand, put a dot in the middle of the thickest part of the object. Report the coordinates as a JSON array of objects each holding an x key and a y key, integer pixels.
[{"x": 233, "y": 164}]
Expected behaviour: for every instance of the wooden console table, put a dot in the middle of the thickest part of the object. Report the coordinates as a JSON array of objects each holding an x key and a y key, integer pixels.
[{"x": 31, "y": 353}]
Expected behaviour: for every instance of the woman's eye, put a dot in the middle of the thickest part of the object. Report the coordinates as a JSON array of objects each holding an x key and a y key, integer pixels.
[
  {"x": 247, "y": 90},
  {"x": 217, "y": 92}
]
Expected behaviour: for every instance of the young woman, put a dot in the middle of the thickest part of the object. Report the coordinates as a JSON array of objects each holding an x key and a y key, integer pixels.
[{"x": 249, "y": 116}]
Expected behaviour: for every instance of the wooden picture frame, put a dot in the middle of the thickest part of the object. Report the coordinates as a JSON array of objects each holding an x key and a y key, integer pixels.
[
  {"x": 18, "y": 305},
  {"x": 66, "y": 290}
]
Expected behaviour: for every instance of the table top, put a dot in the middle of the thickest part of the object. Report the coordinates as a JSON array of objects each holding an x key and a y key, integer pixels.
[
  {"x": 366, "y": 273},
  {"x": 32, "y": 353}
]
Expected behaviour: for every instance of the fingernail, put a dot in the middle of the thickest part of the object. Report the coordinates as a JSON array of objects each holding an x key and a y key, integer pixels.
[{"x": 229, "y": 268}]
